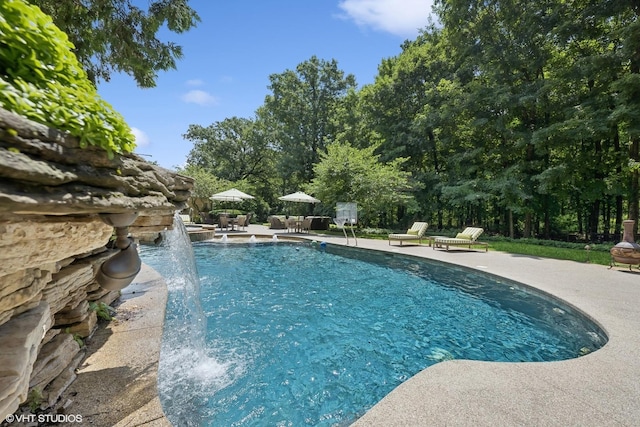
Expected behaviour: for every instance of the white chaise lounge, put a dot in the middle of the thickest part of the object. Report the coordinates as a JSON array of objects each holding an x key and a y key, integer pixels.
[
  {"x": 416, "y": 232},
  {"x": 466, "y": 238}
]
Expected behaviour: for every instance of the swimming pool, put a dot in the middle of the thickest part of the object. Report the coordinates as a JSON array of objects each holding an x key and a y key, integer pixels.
[{"x": 297, "y": 335}]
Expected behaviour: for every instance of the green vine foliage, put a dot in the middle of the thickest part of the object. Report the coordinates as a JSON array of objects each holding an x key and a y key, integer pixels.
[{"x": 41, "y": 79}]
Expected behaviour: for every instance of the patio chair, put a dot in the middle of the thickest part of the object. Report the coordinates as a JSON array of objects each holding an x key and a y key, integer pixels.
[
  {"x": 224, "y": 222},
  {"x": 241, "y": 221},
  {"x": 247, "y": 219},
  {"x": 305, "y": 225},
  {"x": 466, "y": 238},
  {"x": 292, "y": 224},
  {"x": 416, "y": 232}
]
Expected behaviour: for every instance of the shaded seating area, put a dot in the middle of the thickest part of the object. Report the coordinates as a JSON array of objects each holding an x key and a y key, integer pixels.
[
  {"x": 416, "y": 232},
  {"x": 229, "y": 222},
  {"x": 466, "y": 238},
  {"x": 299, "y": 223}
]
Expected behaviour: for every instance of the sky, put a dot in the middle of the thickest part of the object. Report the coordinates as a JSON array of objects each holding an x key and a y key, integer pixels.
[{"x": 228, "y": 58}]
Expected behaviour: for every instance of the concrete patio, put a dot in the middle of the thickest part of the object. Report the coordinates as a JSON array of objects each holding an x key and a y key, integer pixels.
[{"x": 599, "y": 389}]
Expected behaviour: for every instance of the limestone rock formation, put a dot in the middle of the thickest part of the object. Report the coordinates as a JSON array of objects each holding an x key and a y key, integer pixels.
[
  {"x": 53, "y": 391},
  {"x": 54, "y": 357},
  {"x": 53, "y": 240},
  {"x": 36, "y": 241},
  {"x": 86, "y": 326},
  {"x": 19, "y": 340},
  {"x": 44, "y": 171}
]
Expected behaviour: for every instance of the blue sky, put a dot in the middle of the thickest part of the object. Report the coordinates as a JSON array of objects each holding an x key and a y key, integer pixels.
[{"x": 229, "y": 56}]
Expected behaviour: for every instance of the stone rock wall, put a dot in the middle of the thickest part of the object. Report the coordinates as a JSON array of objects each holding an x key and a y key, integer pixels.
[{"x": 52, "y": 241}]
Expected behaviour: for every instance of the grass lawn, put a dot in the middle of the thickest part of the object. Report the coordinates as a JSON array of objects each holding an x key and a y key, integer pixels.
[{"x": 578, "y": 255}]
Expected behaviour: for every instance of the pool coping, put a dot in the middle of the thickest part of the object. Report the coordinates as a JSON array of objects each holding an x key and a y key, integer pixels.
[{"x": 601, "y": 388}]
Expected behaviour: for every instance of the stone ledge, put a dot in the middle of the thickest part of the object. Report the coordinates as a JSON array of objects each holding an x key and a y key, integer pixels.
[
  {"x": 44, "y": 171},
  {"x": 19, "y": 341}
]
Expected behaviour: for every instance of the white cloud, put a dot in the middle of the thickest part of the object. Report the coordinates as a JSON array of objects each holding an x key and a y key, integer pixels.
[
  {"x": 194, "y": 82},
  {"x": 142, "y": 140},
  {"x": 403, "y": 18},
  {"x": 199, "y": 97}
]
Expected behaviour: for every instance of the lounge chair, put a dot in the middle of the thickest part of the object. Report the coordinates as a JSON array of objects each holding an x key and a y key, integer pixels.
[
  {"x": 416, "y": 232},
  {"x": 466, "y": 238}
]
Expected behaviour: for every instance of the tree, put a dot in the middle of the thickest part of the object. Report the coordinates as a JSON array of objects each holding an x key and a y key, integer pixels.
[
  {"x": 234, "y": 149},
  {"x": 300, "y": 112},
  {"x": 116, "y": 36},
  {"x": 405, "y": 109},
  {"x": 205, "y": 185},
  {"x": 348, "y": 174}
]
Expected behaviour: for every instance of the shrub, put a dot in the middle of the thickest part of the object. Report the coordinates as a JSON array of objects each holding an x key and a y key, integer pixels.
[{"x": 41, "y": 79}]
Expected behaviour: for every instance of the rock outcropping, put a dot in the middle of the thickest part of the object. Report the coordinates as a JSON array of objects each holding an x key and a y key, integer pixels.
[{"x": 52, "y": 240}]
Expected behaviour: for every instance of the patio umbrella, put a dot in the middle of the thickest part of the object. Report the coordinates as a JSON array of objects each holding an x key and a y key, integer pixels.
[
  {"x": 232, "y": 195},
  {"x": 300, "y": 197}
]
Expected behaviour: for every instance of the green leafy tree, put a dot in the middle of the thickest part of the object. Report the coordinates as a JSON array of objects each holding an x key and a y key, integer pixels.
[
  {"x": 506, "y": 43},
  {"x": 118, "y": 36},
  {"x": 233, "y": 149},
  {"x": 300, "y": 111},
  {"x": 405, "y": 111},
  {"x": 348, "y": 174},
  {"x": 205, "y": 185}
]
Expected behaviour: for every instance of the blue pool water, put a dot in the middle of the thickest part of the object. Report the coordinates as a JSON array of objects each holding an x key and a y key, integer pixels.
[{"x": 295, "y": 335}]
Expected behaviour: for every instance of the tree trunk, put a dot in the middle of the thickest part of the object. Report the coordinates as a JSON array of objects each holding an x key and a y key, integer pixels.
[
  {"x": 547, "y": 219},
  {"x": 593, "y": 220},
  {"x": 606, "y": 218},
  {"x": 618, "y": 227},
  {"x": 511, "y": 233},
  {"x": 634, "y": 203},
  {"x": 528, "y": 218},
  {"x": 579, "y": 212}
]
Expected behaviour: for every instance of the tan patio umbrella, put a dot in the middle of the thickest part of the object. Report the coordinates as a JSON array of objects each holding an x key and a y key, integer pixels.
[
  {"x": 232, "y": 195},
  {"x": 299, "y": 197}
]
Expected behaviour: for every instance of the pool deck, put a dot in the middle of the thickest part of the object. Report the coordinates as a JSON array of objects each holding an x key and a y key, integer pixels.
[{"x": 599, "y": 389}]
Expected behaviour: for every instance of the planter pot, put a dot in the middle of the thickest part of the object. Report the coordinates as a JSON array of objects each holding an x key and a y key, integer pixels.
[{"x": 627, "y": 251}]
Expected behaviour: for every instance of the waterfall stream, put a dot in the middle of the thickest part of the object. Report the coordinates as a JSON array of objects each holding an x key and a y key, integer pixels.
[{"x": 186, "y": 362}]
